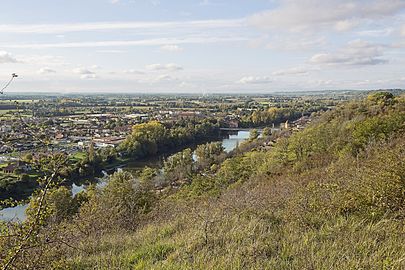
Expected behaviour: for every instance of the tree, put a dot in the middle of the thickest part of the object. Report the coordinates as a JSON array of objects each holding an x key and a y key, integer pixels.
[
  {"x": 147, "y": 175},
  {"x": 108, "y": 154},
  {"x": 145, "y": 139},
  {"x": 266, "y": 132},
  {"x": 209, "y": 154},
  {"x": 253, "y": 135},
  {"x": 124, "y": 200},
  {"x": 27, "y": 158},
  {"x": 179, "y": 166},
  {"x": 60, "y": 204},
  {"x": 91, "y": 153},
  {"x": 385, "y": 98}
]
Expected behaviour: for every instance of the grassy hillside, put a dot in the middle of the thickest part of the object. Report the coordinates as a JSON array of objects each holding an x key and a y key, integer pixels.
[{"x": 329, "y": 197}]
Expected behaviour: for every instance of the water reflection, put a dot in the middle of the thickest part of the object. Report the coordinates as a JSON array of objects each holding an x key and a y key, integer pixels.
[
  {"x": 234, "y": 140},
  {"x": 16, "y": 213}
]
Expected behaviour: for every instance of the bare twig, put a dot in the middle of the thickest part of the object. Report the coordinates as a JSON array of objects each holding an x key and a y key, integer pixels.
[{"x": 8, "y": 83}]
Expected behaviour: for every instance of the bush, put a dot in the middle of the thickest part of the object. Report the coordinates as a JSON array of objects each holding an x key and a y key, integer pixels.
[{"x": 124, "y": 201}]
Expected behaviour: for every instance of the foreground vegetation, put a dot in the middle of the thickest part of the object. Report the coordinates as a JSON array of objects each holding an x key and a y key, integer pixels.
[{"x": 329, "y": 197}]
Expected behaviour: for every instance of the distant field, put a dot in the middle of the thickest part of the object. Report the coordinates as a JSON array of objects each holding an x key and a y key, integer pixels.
[
  {"x": 2, "y": 112},
  {"x": 85, "y": 110},
  {"x": 18, "y": 100},
  {"x": 7, "y": 113}
]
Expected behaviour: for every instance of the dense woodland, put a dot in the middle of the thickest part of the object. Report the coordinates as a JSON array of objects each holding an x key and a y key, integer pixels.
[
  {"x": 274, "y": 115},
  {"x": 154, "y": 138},
  {"x": 331, "y": 196}
]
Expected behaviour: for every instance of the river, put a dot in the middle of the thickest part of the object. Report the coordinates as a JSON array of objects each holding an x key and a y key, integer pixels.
[{"x": 18, "y": 212}]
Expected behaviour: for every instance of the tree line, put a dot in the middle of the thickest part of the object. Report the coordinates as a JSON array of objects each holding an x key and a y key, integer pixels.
[{"x": 154, "y": 138}]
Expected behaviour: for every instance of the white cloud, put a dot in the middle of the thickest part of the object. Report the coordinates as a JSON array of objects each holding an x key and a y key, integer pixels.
[
  {"x": 321, "y": 82},
  {"x": 114, "y": 1},
  {"x": 357, "y": 52},
  {"x": 210, "y": 3},
  {"x": 42, "y": 60},
  {"x": 133, "y": 71},
  {"x": 254, "y": 80},
  {"x": 403, "y": 31},
  {"x": 186, "y": 85},
  {"x": 364, "y": 82},
  {"x": 127, "y": 43},
  {"x": 6, "y": 57},
  {"x": 376, "y": 32},
  {"x": 292, "y": 71},
  {"x": 165, "y": 78},
  {"x": 171, "y": 48},
  {"x": 345, "y": 25},
  {"x": 46, "y": 70},
  {"x": 83, "y": 71},
  {"x": 111, "y": 51},
  {"x": 88, "y": 76},
  {"x": 167, "y": 67},
  {"x": 112, "y": 26},
  {"x": 341, "y": 15},
  {"x": 296, "y": 43}
]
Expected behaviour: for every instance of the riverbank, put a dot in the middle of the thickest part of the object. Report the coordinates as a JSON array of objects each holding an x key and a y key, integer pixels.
[{"x": 230, "y": 141}]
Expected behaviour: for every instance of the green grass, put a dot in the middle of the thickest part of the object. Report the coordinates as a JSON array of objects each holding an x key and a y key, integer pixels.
[
  {"x": 251, "y": 242},
  {"x": 117, "y": 162},
  {"x": 34, "y": 175},
  {"x": 78, "y": 156}
]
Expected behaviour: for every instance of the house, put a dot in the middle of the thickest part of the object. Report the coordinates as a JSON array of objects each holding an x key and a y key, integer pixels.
[
  {"x": 108, "y": 141},
  {"x": 302, "y": 122},
  {"x": 20, "y": 166},
  {"x": 233, "y": 123},
  {"x": 11, "y": 168},
  {"x": 188, "y": 114}
]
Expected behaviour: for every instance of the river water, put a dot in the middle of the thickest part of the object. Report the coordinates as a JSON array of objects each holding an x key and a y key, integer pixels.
[{"x": 18, "y": 212}]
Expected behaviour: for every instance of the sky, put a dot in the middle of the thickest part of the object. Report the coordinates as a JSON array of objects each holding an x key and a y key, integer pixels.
[{"x": 201, "y": 46}]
